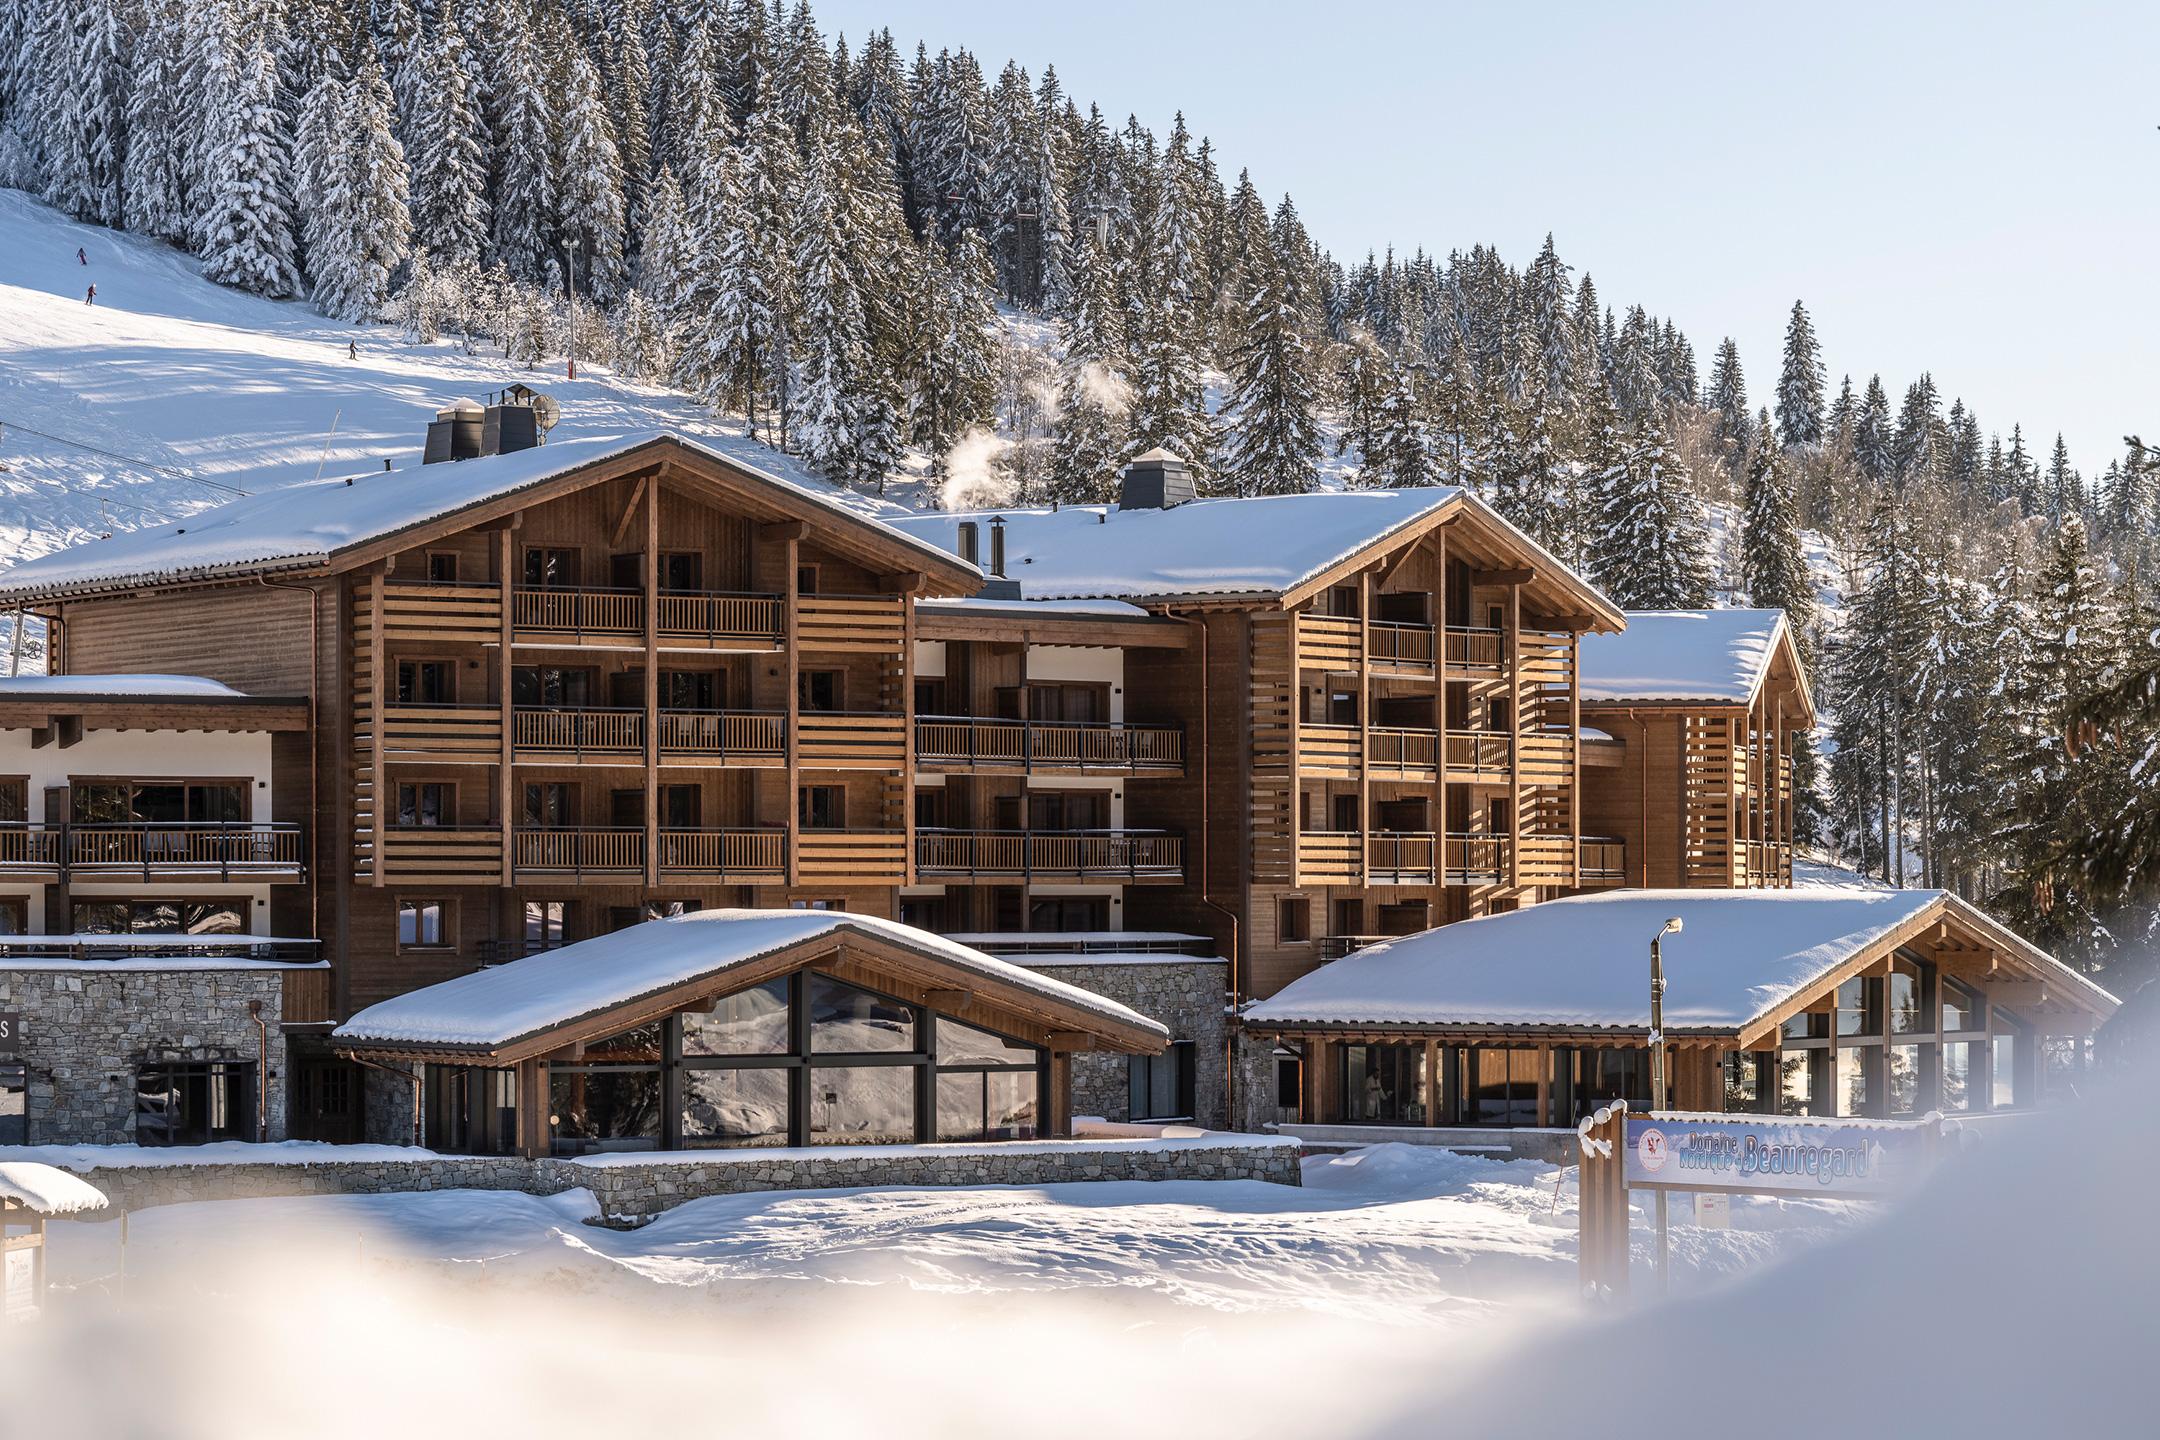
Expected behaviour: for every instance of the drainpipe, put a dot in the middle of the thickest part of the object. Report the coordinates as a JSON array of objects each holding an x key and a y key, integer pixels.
[
  {"x": 262, "y": 1071},
  {"x": 1230, "y": 1082}
]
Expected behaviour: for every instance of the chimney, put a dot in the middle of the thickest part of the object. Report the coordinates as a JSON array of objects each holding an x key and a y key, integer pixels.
[
  {"x": 505, "y": 428},
  {"x": 1155, "y": 481},
  {"x": 969, "y": 547},
  {"x": 454, "y": 434},
  {"x": 997, "y": 546}
]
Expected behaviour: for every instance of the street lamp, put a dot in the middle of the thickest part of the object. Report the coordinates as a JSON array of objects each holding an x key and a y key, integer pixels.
[{"x": 1657, "y": 1014}]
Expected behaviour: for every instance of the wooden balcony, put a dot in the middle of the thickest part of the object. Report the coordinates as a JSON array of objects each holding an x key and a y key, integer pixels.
[
  {"x": 181, "y": 852},
  {"x": 1330, "y": 857},
  {"x": 1402, "y": 858},
  {"x": 842, "y": 740},
  {"x": 1476, "y": 649},
  {"x": 741, "y": 856},
  {"x": 1408, "y": 650},
  {"x": 1764, "y": 863},
  {"x": 577, "y": 617},
  {"x": 723, "y": 737},
  {"x": 573, "y": 735},
  {"x": 851, "y": 624},
  {"x": 434, "y": 613},
  {"x": 1600, "y": 861},
  {"x": 959, "y": 742},
  {"x": 443, "y": 733},
  {"x": 28, "y": 849},
  {"x": 566, "y": 852},
  {"x": 851, "y": 857},
  {"x": 1480, "y": 756},
  {"x": 683, "y": 620},
  {"x": 719, "y": 620},
  {"x": 1471, "y": 859},
  {"x": 1004, "y": 856},
  {"x": 441, "y": 855},
  {"x": 1403, "y": 754},
  {"x": 1327, "y": 642},
  {"x": 1329, "y": 752}
]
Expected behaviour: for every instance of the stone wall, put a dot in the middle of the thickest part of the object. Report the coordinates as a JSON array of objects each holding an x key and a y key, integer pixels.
[
  {"x": 640, "y": 1187},
  {"x": 1183, "y": 993},
  {"x": 88, "y": 1025}
]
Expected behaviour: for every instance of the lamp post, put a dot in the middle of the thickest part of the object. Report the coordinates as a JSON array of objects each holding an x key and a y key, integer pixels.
[
  {"x": 1657, "y": 1014},
  {"x": 1657, "y": 1079}
]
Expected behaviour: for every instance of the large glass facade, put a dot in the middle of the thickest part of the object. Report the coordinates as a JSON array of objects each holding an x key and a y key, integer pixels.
[
  {"x": 1383, "y": 1084},
  {"x": 1502, "y": 1085},
  {"x": 806, "y": 1059},
  {"x": 1900, "y": 1044}
]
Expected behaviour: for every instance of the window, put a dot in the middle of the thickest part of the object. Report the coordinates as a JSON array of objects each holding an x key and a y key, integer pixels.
[
  {"x": 194, "y": 1102},
  {"x": 820, "y": 690},
  {"x": 1802, "y": 1084},
  {"x": 423, "y": 924},
  {"x": 426, "y": 682},
  {"x": 822, "y": 807},
  {"x": 1406, "y": 917},
  {"x": 1745, "y": 1093},
  {"x": 2005, "y": 1086},
  {"x": 550, "y": 568},
  {"x": 609, "y": 1099},
  {"x": 1289, "y": 1085},
  {"x": 1907, "y": 998},
  {"x": 680, "y": 806},
  {"x": 470, "y": 1112},
  {"x": 14, "y": 915},
  {"x": 682, "y": 570},
  {"x": 550, "y": 804},
  {"x": 1859, "y": 1007},
  {"x": 1384, "y": 1084},
  {"x": 850, "y": 1020},
  {"x": 429, "y": 802},
  {"x": 1957, "y": 1075},
  {"x": 1856, "y": 1087},
  {"x": 160, "y": 917},
  {"x": 547, "y": 924},
  {"x": 158, "y": 802},
  {"x": 1502, "y": 1085},
  {"x": 817, "y": 904},
  {"x": 1160, "y": 1087},
  {"x": 930, "y": 695},
  {"x": 1067, "y": 913},
  {"x": 749, "y": 1022},
  {"x": 14, "y": 800},
  {"x": 442, "y": 567},
  {"x": 14, "y": 1105},
  {"x": 1605, "y": 1075},
  {"x": 1903, "y": 1075},
  {"x": 1072, "y": 703},
  {"x": 1293, "y": 920},
  {"x": 553, "y": 686}
]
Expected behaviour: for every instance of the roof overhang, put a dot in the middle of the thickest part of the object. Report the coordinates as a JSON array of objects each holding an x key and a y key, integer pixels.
[
  {"x": 1017, "y": 623},
  {"x": 918, "y": 975},
  {"x": 245, "y": 713}
]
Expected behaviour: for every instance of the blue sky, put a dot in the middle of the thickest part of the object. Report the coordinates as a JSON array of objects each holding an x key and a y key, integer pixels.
[{"x": 1966, "y": 189}]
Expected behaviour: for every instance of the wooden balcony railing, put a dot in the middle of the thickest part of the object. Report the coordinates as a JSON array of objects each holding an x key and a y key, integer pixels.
[
  {"x": 1600, "y": 860},
  {"x": 134, "y": 944},
  {"x": 1403, "y": 647},
  {"x": 1764, "y": 862},
  {"x": 1402, "y": 754},
  {"x": 973, "y": 743},
  {"x": 1402, "y": 858},
  {"x": 450, "y": 732},
  {"x": 721, "y": 620},
  {"x": 1480, "y": 754},
  {"x": 566, "y": 850},
  {"x": 1334, "y": 947},
  {"x": 1330, "y": 857},
  {"x": 443, "y": 854},
  {"x": 433, "y": 612},
  {"x": 1475, "y": 859},
  {"x": 579, "y": 614},
  {"x": 738, "y": 855},
  {"x": 178, "y": 850},
  {"x": 1327, "y": 642},
  {"x": 502, "y": 952},
  {"x": 1475, "y": 647},
  {"x": 851, "y": 857},
  {"x": 863, "y": 624},
  {"x": 581, "y": 732},
  {"x": 26, "y": 847},
  {"x": 842, "y": 740},
  {"x": 1128, "y": 855},
  {"x": 1329, "y": 751},
  {"x": 729, "y": 734}
]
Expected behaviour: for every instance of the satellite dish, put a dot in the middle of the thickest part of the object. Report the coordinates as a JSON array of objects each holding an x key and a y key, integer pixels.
[{"x": 547, "y": 412}]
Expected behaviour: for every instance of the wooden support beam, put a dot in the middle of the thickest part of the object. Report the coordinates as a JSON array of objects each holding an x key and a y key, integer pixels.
[
  {"x": 785, "y": 530},
  {"x": 651, "y": 495},
  {"x": 378, "y": 686},
  {"x": 947, "y": 999},
  {"x": 629, "y": 512},
  {"x": 506, "y": 712},
  {"x": 790, "y": 536},
  {"x": 1071, "y": 1041},
  {"x": 2018, "y": 994},
  {"x": 1520, "y": 576}
]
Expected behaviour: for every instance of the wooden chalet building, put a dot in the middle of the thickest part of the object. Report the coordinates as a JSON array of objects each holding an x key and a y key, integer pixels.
[{"x": 1690, "y": 764}]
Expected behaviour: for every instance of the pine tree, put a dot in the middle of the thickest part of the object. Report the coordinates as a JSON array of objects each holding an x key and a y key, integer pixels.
[
  {"x": 1271, "y": 436},
  {"x": 1399, "y": 453},
  {"x": 1089, "y": 443},
  {"x": 2065, "y": 490},
  {"x": 83, "y": 123},
  {"x": 526, "y": 176},
  {"x": 361, "y": 233},
  {"x": 591, "y": 192},
  {"x": 830, "y": 365},
  {"x": 247, "y": 233},
  {"x": 956, "y": 367},
  {"x": 1800, "y": 385},
  {"x": 449, "y": 201},
  {"x": 1871, "y": 442},
  {"x": 1726, "y": 400},
  {"x": 154, "y": 175},
  {"x": 1773, "y": 567},
  {"x": 1650, "y": 550}
]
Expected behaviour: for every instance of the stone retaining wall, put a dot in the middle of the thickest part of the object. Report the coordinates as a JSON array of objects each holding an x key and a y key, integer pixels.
[
  {"x": 640, "y": 1187},
  {"x": 1553, "y": 1146}
]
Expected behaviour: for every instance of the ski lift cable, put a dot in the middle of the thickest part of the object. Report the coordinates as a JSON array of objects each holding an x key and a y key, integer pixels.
[{"x": 173, "y": 470}]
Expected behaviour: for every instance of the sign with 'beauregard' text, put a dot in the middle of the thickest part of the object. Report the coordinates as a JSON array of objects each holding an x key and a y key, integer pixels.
[{"x": 1773, "y": 1155}]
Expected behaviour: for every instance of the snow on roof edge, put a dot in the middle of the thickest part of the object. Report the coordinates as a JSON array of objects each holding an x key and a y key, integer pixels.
[{"x": 47, "y": 1189}]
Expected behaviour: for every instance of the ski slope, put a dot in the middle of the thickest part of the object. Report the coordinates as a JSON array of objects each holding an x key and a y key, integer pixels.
[{"x": 171, "y": 392}]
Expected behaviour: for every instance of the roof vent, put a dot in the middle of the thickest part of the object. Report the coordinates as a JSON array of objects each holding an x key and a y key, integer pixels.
[
  {"x": 1155, "y": 481},
  {"x": 454, "y": 434},
  {"x": 969, "y": 541}
]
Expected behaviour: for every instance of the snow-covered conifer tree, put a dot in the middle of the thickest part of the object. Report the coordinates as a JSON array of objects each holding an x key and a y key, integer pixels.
[
  {"x": 1270, "y": 432},
  {"x": 1800, "y": 384},
  {"x": 591, "y": 194},
  {"x": 1649, "y": 550},
  {"x": 247, "y": 233},
  {"x": 448, "y": 153}
]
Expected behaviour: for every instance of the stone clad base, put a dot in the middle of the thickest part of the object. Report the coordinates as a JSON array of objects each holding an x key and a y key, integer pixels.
[
  {"x": 639, "y": 1186},
  {"x": 1500, "y": 1142}
]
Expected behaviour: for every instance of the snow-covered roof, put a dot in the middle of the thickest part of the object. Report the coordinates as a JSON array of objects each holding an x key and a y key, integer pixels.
[
  {"x": 489, "y": 1009},
  {"x": 1713, "y": 657},
  {"x": 976, "y": 604},
  {"x": 1583, "y": 962},
  {"x": 1262, "y": 545},
  {"x": 47, "y": 1191},
  {"x": 302, "y": 526},
  {"x": 117, "y": 687}
]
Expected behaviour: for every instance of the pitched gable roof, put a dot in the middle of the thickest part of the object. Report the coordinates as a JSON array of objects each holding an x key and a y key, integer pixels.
[
  {"x": 311, "y": 526},
  {"x": 1700, "y": 657}
]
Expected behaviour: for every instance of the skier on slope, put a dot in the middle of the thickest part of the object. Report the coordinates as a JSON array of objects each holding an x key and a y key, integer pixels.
[
  {"x": 352, "y": 349},
  {"x": 90, "y": 296},
  {"x": 80, "y": 258}
]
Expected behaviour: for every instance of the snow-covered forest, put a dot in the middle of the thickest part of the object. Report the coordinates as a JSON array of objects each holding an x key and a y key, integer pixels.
[{"x": 889, "y": 262}]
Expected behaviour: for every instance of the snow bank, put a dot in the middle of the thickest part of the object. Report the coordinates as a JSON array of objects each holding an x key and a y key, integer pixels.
[
  {"x": 1711, "y": 656},
  {"x": 1092, "y": 1144},
  {"x": 508, "y": 1002},
  {"x": 45, "y": 1189}
]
